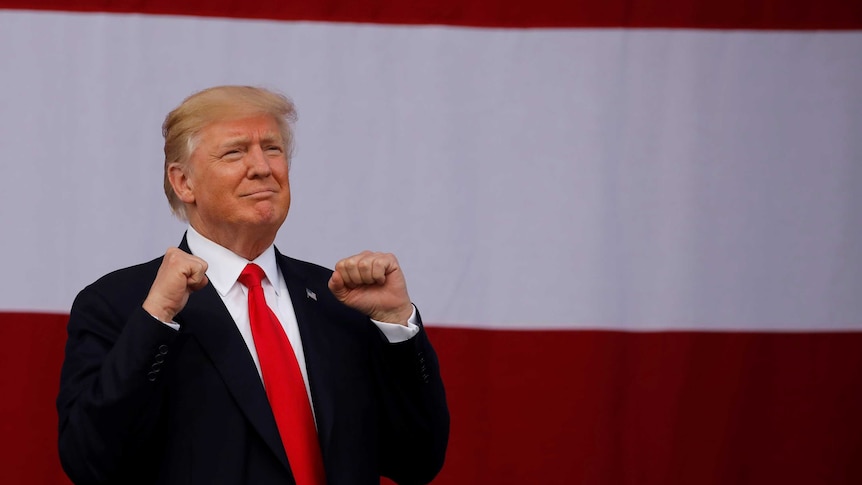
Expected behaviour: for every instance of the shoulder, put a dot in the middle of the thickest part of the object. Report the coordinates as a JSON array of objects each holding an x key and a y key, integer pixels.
[
  {"x": 131, "y": 275},
  {"x": 125, "y": 287}
]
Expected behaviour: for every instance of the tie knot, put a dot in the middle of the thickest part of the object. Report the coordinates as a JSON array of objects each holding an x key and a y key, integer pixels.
[{"x": 251, "y": 275}]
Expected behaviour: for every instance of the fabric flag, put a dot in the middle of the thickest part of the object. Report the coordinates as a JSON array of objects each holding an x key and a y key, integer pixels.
[{"x": 633, "y": 228}]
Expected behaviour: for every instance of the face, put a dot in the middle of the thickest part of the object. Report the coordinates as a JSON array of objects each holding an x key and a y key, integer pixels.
[{"x": 235, "y": 184}]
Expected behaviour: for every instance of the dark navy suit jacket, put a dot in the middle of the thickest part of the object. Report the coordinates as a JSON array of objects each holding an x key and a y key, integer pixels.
[{"x": 141, "y": 403}]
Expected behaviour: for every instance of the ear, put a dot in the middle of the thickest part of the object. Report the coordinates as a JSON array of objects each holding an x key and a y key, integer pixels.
[{"x": 181, "y": 182}]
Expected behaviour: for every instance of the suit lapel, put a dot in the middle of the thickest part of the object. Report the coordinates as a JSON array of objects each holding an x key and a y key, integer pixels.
[
  {"x": 206, "y": 318},
  {"x": 307, "y": 299}
]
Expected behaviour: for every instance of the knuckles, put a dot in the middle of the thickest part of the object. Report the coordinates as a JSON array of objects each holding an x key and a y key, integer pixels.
[
  {"x": 365, "y": 267},
  {"x": 177, "y": 262}
]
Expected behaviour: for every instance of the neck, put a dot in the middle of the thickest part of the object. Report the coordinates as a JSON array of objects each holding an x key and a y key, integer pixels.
[{"x": 246, "y": 242}]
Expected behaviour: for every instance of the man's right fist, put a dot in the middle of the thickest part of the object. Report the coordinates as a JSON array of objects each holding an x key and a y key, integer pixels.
[{"x": 179, "y": 275}]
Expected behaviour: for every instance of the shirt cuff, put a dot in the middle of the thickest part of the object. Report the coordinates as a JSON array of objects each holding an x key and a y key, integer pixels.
[
  {"x": 396, "y": 333},
  {"x": 176, "y": 326}
]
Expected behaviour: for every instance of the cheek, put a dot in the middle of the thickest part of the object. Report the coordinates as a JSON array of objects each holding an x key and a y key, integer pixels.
[
  {"x": 286, "y": 193},
  {"x": 224, "y": 181},
  {"x": 286, "y": 190},
  {"x": 282, "y": 175}
]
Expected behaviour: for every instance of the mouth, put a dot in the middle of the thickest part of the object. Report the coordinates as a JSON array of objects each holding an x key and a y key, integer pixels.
[{"x": 259, "y": 194}]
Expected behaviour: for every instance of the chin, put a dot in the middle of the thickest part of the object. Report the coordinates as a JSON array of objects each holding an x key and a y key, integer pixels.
[
  {"x": 266, "y": 210},
  {"x": 269, "y": 218}
]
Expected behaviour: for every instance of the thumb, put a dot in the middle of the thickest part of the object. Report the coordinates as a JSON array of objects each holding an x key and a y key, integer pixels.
[
  {"x": 196, "y": 282},
  {"x": 336, "y": 283}
]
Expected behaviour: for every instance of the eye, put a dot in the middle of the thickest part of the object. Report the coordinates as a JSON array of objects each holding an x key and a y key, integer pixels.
[
  {"x": 233, "y": 153},
  {"x": 274, "y": 148}
]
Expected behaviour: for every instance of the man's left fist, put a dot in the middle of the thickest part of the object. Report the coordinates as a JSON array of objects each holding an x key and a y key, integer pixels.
[{"x": 373, "y": 284}]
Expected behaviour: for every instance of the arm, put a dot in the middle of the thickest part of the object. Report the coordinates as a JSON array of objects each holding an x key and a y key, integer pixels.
[
  {"x": 112, "y": 384},
  {"x": 415, "y": 414},
  {"x": 109, "y": 402},
  {"x": 415, "y": 417}
]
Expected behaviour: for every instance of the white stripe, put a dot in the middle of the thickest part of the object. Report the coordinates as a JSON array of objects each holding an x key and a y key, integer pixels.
[{"x": 623, "y": 179}]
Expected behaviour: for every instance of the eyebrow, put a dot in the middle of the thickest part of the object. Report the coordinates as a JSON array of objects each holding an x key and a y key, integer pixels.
[{"x": 270, "y": 137}]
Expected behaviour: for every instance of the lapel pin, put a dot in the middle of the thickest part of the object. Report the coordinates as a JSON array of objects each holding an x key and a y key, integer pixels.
[{"x": 310, "y": 294}]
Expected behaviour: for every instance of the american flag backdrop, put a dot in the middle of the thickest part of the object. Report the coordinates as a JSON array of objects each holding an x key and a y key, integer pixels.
[{"x": 633, "y": 228}]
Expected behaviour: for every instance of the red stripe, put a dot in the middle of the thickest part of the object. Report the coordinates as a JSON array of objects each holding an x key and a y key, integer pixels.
[
  {"x": 29, "y": 381},
  {"x": 575, "y": 407},
  {"x": 667, "y": 408},
  {"x": 696, "y": 14}
]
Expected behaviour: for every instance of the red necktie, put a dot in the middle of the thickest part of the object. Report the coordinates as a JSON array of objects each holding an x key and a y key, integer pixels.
[{"x": 284, "y": 385}]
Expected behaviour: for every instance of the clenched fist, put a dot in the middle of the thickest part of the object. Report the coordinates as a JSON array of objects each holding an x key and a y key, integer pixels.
[
  {"x": 373, "y": 284},
  {"x": 179, "y": 275}
]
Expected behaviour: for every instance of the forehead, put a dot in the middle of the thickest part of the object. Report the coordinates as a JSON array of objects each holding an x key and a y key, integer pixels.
[{"x": 250, "y": 128}]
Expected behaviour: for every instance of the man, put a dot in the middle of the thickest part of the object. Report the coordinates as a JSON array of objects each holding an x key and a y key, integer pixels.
[{"x": 225, "y": 362}]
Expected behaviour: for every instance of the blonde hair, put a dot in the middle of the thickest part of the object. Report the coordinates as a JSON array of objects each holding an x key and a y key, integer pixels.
[{"x": 220, "y": 103}]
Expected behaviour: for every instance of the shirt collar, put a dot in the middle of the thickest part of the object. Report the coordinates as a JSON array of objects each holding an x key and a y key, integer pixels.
[{"x": 224, "y": 266}]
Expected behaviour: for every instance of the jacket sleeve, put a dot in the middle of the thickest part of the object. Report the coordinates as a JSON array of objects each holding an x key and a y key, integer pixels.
[
  {"x": 416, "y": 417},
  {"x": 111, "y": 389}
]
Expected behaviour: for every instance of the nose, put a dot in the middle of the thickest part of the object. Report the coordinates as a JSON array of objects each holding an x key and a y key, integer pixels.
[{"x": 258, "y": 163}]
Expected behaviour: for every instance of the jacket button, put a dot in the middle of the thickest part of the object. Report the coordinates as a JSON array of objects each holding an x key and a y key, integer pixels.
[
  {"x": 163, "y": 349},
  {"x": 152, "y": 375}
]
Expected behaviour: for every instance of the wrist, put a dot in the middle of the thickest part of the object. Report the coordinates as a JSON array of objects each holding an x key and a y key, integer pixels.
[
  {"x": 400, "y": 316},
  {"x": 157, "y": 312}
]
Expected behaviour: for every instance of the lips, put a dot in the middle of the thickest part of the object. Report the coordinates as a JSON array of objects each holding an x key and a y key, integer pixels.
[{"x": 262, "y": 193}]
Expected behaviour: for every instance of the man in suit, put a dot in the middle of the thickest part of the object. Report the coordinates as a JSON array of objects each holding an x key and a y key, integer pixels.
[{"x": 168, "y": 372}]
